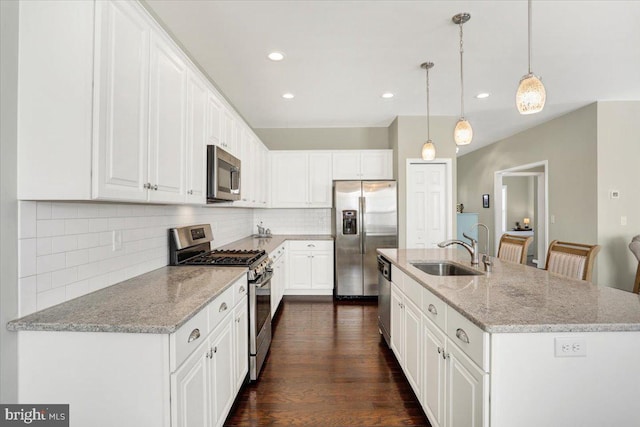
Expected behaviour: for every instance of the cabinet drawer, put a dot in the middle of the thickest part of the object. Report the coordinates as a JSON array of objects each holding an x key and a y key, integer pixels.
[
  {"x": 221, "y": 306},
  {"x": 473, "y": 341},
  {"x": 240, "y": 290},
  {"x": 413, "y": 290},
  {"x": 186, "y": 339},
  {"x": 311, "y": 245},
  {"x": 434, "y": 308},
  {"x": 397, "y": 277}
]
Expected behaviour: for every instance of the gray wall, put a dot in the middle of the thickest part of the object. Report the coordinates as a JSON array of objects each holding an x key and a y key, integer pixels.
[
  {"x": 410, "y": 132},
  {"x": 618, "y": 166},
  {"x": 8, "y": 202},
  {"x": 324, "y": 138},
  {"x": 569, "y": 144}
]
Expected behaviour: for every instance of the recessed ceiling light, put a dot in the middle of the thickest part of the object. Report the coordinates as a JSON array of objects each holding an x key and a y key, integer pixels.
[
  {"x": 387, "y": 95},
  {"x": 288, "y": 95},
  {"x": 276, "y": 56},
  {"x": 482, "y": 95}
]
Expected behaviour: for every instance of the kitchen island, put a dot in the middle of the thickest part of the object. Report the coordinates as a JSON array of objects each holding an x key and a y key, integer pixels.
[{"x": 516, "y": 346}]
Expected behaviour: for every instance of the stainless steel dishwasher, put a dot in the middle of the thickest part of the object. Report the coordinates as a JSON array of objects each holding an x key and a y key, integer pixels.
[{"x": 384, "y": 298}]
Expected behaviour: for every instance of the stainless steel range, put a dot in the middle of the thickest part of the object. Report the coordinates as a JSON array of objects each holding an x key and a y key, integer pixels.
[{"x": 191, "y": 245}]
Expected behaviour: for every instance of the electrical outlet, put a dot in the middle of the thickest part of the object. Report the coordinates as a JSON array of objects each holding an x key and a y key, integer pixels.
[
  {"x": 571, "y": 347},
  {"x": 623, "y": 220},
  {"x": 553, "y": 219}
]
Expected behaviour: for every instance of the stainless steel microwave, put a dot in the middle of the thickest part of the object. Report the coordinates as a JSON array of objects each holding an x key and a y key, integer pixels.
[{"x": 223, "y": 175}]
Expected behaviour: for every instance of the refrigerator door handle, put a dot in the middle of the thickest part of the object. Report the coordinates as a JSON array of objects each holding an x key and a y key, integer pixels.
[{"x": 363, "y": 230}]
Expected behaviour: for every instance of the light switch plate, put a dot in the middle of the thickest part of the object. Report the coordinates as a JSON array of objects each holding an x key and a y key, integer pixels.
[{"x": 614, "y": 194}]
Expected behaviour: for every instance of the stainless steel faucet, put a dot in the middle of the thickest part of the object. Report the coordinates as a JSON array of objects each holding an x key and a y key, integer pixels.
[
  {"x": 471, "y": 248},
  {"x": 486, "y": 257}
]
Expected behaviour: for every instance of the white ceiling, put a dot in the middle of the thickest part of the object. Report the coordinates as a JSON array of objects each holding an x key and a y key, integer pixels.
[{"x": 342, "y": 55}]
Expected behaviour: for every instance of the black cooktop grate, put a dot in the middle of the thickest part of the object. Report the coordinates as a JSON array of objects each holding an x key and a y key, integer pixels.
[{"x": 227, "y": 257}]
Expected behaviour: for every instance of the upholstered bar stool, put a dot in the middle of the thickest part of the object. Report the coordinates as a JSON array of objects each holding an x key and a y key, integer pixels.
[
  {"x": 514, "y": 248},
  {"x": 573, "y": 260},
  {"x": 635, "y": 248}
]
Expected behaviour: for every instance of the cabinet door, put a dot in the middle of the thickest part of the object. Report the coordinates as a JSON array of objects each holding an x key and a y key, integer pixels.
[
  {"x": 277, "y": 286},
  {"x": 346, "y": 165},
  {"x": 376, "y": 164},
  {"x": 289, "y": 180},
  {"x": 299, "y": 270},
  {"x": 412, "y": 351},
  {"x": 241, "y": 339},
  {"x": 167, "y": 104},
  {"x": 223, "y": 382},
  {"x": 190, "y": 400},
  {"x": 265, "y": 176},
  {"x": 465, "y": 390},
  {"x": 214, "y": 120},
  {"x": 228, "y": 131},
  {"x": 397, "y": 320},
  {"x": 121, "y": 102},
  {"x": 321, "y": 270},
  {"x": 197, "y": 96},
  {"x": 433, "y": 379},
  {"x": 320, "y": 180}
]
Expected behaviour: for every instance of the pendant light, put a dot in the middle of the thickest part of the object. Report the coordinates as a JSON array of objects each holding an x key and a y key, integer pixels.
[
  {"x": 463, "y": 133},
  {"x": 531, "y": 95},
  {"x": 428, "y": 148}
]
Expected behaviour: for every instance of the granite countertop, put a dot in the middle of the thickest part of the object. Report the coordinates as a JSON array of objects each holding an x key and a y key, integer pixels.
[
  {"x": 269, "y": 244},
  {"x": 517, "y": 298},
  {"x": 158, "y": 302}
]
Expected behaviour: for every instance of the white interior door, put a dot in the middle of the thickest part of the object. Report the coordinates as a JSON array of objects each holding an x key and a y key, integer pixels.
[{"x": 427, "y": 197}]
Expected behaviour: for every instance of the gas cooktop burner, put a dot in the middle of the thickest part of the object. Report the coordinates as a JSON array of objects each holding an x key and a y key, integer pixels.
[{"x": 227, "y": 257}]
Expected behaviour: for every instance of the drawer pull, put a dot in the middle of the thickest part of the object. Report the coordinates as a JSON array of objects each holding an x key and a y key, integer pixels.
[
  {"x": 311, "y": 246},
  {"x": 241, "y": 289},
  {"x": 223, "y": 307},
  {"x": 462, "y": 335},
  {"x": 439, "y": 350},
  {"x": 433, "y": 310},
  {"x": 194, "y": 335}
]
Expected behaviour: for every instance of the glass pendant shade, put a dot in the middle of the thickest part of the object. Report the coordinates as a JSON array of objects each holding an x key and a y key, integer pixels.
[
  {"x": 531, "y": 95},
  {"x": 428, "y": 151},
  {"x": 463, "y": 133}
]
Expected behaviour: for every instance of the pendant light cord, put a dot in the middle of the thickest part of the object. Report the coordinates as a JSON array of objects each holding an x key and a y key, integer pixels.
[
  {"x": 529, "y": 34},
  {"x": 428, "y": 112},
  {"x": 461, "y": 76}
]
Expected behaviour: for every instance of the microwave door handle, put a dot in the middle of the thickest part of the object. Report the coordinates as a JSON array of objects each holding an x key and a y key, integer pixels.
[{"x": 235, "y": 180}]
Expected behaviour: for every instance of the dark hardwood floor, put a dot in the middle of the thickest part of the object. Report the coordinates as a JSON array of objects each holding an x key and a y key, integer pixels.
[{"x": 328, "y": 366}]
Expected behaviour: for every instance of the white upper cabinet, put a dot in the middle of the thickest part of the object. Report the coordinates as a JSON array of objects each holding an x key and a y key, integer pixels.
[
  {"x": 167, "y": 130},
  {"x": 214, "y": 120},
  {"x": 121, "y": 93},
  {"x": 197, "y": 100},
  {"x": 301, "y": 179},
  {"x": 363, "y": 164},
  {"x": 55, "y": 97}
]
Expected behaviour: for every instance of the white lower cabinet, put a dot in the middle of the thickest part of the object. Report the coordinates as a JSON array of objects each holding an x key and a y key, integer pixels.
[
  {"x": 241, "y": 338},
  {"x": 448, "y": 371},
  {"x": 190, "y": 386},
  {"x": 279, "y": 280},
  {"x": 310, "y": 268}
]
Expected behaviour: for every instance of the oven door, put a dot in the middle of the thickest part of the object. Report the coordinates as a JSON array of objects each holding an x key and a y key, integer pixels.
[{"x": 260, "y": 312}]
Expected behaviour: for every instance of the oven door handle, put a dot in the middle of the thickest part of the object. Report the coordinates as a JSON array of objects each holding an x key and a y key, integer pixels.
[{"x": 264, "y": 279}]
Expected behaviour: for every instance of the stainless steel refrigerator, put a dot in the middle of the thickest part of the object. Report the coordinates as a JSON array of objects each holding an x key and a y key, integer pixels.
[{"x": 365, "y": 218}]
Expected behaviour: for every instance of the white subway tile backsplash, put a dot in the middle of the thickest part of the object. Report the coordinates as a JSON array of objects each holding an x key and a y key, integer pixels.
[
  {"x": 53, "y": 262},
  {"x": 44, "y": 246},
  {"x": 28, "y": 295},
  {"x": 44, "y": 282},
  {"x": 49, "y": 228},
  {"x": 63, "y": 244},
  {"x": 90, "y": 240},
  {"x": 51, "y": 297},
  {"x": 27, "y": 257},
  {"x": 43, "y": 211},
  {"x": 64, "y": 210},
  {"x": 27, "y": 219},
  {"x": 64, "y": 277},
  {"x": 98, "y": 224},
  {"x": 76, "y": 289},
  {"x": 79, "y": 257},
  {"x": 76, "y": 226}
]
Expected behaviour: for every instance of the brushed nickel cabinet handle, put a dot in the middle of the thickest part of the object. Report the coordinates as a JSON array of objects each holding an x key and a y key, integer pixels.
[
  {"x": 462, "y": 335},
  {"x": 194, "y": 335},
  {"x": 433, "y": 310},
  {"x": 223, "y": 307}
]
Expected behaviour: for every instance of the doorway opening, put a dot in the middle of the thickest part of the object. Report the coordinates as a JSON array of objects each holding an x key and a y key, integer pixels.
[{"x": 522, "y": 206}]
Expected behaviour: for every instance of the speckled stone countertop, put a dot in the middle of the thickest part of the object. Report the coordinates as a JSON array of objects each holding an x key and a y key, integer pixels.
[
  {"x": 158, "y": 302},
  {"x": 271, "y": 243},
  {"x": 516, "y": 298}
]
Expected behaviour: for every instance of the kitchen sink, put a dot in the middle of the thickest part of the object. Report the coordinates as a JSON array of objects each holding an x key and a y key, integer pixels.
[{"x": 444, "y": 268}]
